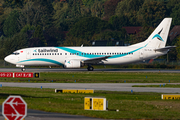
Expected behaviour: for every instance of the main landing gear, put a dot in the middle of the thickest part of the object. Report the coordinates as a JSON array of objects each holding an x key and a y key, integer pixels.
[
  {"x": 90, "y": 68},
  {"x": 23, "y": 69}
]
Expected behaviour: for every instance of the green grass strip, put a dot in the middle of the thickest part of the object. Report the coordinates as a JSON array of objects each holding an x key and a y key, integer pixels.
[
  {"x": 130, "y": 105},
  {"x": 99, "y": 77}
]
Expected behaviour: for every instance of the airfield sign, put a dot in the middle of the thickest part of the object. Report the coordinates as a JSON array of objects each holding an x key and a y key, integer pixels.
[{"x": 14, "y": 108}]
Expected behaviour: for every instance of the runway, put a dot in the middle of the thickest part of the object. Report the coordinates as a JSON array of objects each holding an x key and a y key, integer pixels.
[
  {"x": 85, "y": 70},
  {"x": 97, "y": 86}
]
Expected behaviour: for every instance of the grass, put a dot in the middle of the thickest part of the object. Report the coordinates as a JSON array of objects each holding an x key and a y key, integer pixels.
[
  {"x": 165, "y": 85},
  {"x": 130, "y": 105},
  {"x": 99, "y": 77}
]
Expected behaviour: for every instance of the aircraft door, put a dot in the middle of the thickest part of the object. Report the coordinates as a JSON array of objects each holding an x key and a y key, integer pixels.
[
  {"x": 141, "y": 54},
  {"x": 28, "y": 54}
]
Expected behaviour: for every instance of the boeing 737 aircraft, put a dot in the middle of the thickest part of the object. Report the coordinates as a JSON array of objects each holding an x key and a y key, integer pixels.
[{"x": 76, "y": 57}]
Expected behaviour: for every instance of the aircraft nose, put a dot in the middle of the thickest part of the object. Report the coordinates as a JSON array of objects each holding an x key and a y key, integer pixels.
[{"x": 8, "y": 58}]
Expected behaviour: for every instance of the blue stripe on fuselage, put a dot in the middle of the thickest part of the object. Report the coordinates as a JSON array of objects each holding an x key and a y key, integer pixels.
[
  {"x": 42, "y": 59},
  {"x": 81, "y": 54}
]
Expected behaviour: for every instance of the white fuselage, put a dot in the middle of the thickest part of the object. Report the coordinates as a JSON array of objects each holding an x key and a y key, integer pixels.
[{"x": 49, "y": 56}]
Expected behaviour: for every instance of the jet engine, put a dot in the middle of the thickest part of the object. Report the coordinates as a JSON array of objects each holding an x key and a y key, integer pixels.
[{"x": 72, "y": 64}]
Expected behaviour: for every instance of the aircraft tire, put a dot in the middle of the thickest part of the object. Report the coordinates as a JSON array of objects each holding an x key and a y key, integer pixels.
[
  {"x": 90, "y": 68},
  {"x": 23, "y": 69}
]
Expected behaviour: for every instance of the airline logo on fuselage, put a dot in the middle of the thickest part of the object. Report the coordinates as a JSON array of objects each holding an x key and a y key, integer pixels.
[{"x": 46, "y": 50}]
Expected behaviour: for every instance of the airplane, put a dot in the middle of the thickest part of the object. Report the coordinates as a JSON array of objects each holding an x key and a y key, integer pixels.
[{"x": 77, "y": 57}]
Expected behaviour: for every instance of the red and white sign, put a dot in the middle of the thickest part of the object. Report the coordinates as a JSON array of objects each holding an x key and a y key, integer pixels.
[
  {"x": 6, "y": 74},
  {"x": 23, "y": 75},
  {"x": 14, "y": 108}
]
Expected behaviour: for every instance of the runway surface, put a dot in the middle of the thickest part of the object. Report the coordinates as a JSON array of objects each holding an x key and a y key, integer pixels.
[
  {"x": 84, "y": 70},
  {"x": 97, "y": 86}
]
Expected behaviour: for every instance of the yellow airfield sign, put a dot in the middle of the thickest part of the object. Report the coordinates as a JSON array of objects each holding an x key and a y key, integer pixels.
[
  {"x": 95, "y": 103},
  {"x": 170, "y": 96}
]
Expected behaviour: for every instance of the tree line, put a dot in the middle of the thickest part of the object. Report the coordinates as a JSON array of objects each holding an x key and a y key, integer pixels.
[{"x": 32, "y": 23}]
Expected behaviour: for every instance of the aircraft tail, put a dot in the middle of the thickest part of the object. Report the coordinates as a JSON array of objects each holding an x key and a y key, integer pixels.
[{"x": 159, "y": 36}]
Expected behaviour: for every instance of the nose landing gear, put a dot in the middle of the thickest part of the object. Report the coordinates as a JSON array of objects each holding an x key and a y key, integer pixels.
[{"x": 23, "y": 69}]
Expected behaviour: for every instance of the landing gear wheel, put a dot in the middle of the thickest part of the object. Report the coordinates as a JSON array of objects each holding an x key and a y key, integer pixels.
[
  {"x": 90, "y": 68},
  {"x": 23, "y": 69}
]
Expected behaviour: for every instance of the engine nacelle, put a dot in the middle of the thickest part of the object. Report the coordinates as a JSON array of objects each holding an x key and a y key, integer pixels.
[{"x": 72, "y": 64}]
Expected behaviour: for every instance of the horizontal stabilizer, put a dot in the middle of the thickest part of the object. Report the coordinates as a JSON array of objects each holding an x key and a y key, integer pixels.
[{"x": 165, "y": 48}]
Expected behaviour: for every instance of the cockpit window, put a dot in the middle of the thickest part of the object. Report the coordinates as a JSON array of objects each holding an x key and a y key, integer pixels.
[{"x": 15, "y": 53}]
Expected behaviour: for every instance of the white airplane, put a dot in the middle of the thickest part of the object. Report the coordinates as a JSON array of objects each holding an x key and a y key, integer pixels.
[{"x": 76, "y": 57}]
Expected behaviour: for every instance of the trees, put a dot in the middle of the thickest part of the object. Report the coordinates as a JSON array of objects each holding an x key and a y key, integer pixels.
[
  {"x": 109, "y": 35},
  {"x": 97, "y": 9},
  {"x": 34, "y": 13},
  {"x": 60, "y": 15},
  {"x": 109, "y": 8},
  {"x": 87, "y": 27},
  {"x": 142, "y": 35},
  {"x": 151, "y": 13},
  {"x": 178, "y": 48},
  {"x": 176, "y": 15},
  {"x": 13, "y": 3},
  {"x": 74, "y": 41},
  {"x": 27, "y": 27},
  {"x": 11, "y": 24},
  {"x": 38, "y": 34},
  {"x": 129, "y": 9},
  {"x": 18, "y": 41}
]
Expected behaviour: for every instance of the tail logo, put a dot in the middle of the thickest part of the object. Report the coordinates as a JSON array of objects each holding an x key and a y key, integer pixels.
[{"x": 158, "y": 36}]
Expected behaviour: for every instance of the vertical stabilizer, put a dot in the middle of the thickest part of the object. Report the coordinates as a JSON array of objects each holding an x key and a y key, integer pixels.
[{"x": 159, "y": 36}]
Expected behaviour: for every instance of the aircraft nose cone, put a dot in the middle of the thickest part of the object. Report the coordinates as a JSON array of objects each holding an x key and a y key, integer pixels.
[{"x": 7, "y": 58}]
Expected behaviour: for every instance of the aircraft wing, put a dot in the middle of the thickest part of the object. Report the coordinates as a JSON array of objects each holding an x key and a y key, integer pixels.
[
  {"x": 95, "y": 60},
  {"x": 165, "y": 48}
]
